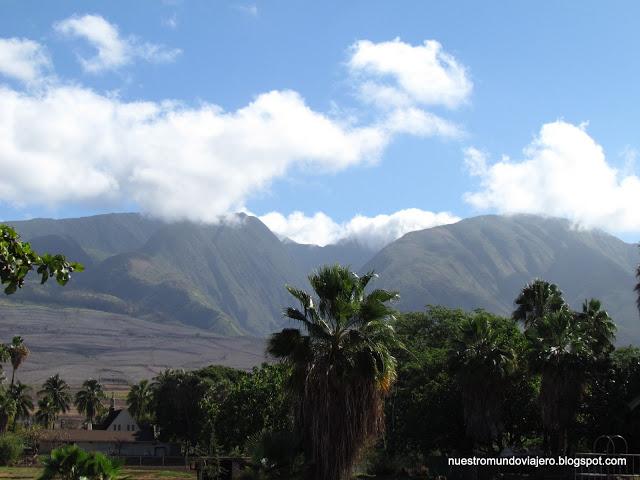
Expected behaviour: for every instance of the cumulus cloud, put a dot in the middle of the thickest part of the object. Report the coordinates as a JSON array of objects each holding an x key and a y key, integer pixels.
[
  {"x": 397, "y": 73},
  {"x": 113, "y": 50},
  {"x": 23, "y": 59},
  {"x": 65, "y": 143},
  {"x": 174, "y": 161},
  {"x": 373, "y": 232},
  {"x": 564, "y": 172},
  {"x": 402, "y": 80}
]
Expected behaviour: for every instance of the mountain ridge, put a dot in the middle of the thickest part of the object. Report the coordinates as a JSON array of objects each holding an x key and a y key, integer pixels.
[{"x": 228, "y": 278}]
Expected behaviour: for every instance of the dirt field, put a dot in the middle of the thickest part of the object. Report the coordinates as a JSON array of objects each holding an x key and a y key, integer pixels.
[{"x": 116, "y": 349}]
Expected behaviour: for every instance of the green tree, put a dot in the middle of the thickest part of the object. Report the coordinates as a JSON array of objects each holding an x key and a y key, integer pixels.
[
  {"x": 17, "y": 259},
  {"x": 58, "y": 392},
  {"x": 566, "y": 347},
  {"x": 7, "y": 409},
  {"x": 139, "y": 401},
  {"x": 482, "y": 360},
  {"x": 18, "y": 353},
  {"x": 89, "y": 399},
  {"x": 21, "y": 396},
  {"x": 182, "y": 404},
  {"x": 72, "y": 463},
  {"x": 260, "y": 399},
  {"x": 537, "y": 299},
  {"x": 47, "y": 412},
  {"x": 342, "y": 366}
]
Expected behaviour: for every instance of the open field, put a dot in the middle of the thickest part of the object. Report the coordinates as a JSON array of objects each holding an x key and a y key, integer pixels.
[
  {"x": 29, "y": 473},
  {"x": 117, "y": 349}
]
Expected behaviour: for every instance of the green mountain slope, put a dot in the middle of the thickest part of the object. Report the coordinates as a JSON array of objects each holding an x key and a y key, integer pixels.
[
  {"x": 483, "y": 262},
  {"x": 100, "y": 235},
  {"x": 227, "y": 278}
]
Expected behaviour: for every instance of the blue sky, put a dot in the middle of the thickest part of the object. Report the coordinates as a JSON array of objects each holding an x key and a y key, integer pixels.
[{"x": 550, "y": 112}]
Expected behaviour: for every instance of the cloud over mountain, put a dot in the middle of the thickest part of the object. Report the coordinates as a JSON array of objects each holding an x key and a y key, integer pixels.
[
  {"x": 373, "y": 232},
  {"x": 174, "y": 160},
  {"x": 564, "y": 172}
]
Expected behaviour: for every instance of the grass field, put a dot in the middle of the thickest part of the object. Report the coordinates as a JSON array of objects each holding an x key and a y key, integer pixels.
[{"x": 28, "y": 473}]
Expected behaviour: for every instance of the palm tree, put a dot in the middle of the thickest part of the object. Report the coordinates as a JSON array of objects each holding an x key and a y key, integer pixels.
[
  {"x": 47, "y": 412},
  {"x": 57, "y": 390},
  {"x": 65, "y": 463},
  {"x": 599, "y": 326},
  {"x": 139, "y": 401},
  {"x": 558, "y": 353},
  {"x": 7, "y": 409},
  {"x": 19, "y": 392},
  {"x": 482, "y": 362},
  {"x": 537, "y": 299},
  {"x": 72, "y": 463},
  {"x": 342, "y": 366},
  {"x": 18, "y": 353},
  {"x": 89, "y": 399}
]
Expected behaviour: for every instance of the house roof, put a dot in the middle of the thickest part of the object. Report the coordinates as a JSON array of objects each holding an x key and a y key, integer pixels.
[
  {"x": 108, "y": 436},
  {"x": 111, "y": 416}
]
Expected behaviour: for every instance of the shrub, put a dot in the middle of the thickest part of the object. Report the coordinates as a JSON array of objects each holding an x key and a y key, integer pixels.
[{"x": 11, "y": 448}]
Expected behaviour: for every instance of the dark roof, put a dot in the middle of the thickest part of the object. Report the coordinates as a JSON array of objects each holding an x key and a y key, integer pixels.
[
  {"x": 111, "y": 416},
  {"x": 108, "y": 436}
]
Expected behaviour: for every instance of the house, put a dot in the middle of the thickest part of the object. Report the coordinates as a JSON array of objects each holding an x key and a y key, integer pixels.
[
  {"x": 118, "y": 435},
  {"x": 119, "y": 420},
  {"x": 109, "y": 442}
]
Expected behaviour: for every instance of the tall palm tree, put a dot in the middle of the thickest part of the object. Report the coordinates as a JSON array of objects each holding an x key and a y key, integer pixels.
[
  {"x": 47, "y": 412},
  {"x": 57, "y": 390},
  {"x": 18, "y": 353},
  {"x": 139, "y": 401},
  {"x": 482, "y": 362},
  {"x": 89, "y": 399},
  {"x": 558, "y": 353},
  {"x": 19, "y": 392},
  {"x": 342, "y": 366},
  {"x": 536, "y": 300}
]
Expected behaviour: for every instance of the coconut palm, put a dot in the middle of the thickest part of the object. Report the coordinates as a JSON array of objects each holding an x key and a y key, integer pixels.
[
  {"x": 139, "y": 401},
  {"x": 482, "y": 362},
  {"x": 89, "y": 399},
  {"x": 537, "y": 299},
  {"x": 19, "y": 392},
  {"x": 47, "y": 412},
  {"x": 57, "y": 390},
  {"x": 18, "y": 353},
  {"x": 342, "y": 366}
]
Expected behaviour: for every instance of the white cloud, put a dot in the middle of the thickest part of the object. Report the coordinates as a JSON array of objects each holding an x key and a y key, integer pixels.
[
  {"x": 564, "y": 173},
  {"x": 374, "y": 232},
  {"x": 174, "y": 161},
  {"x": 423, "y": 74},
  {"x": 401, "y": 80},
  {"x": 23, "y": 59},
  {"x": 64, "y": 144},
  {"x": 113, "y": 50}
]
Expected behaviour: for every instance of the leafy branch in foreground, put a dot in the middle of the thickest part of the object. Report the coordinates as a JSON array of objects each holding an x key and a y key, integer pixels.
[{"x": 17, "y": 259}]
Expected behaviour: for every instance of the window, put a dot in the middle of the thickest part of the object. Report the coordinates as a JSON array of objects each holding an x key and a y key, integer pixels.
[
  {"x": 114, "y": 427},
  {"x": 119, "y": 427}
]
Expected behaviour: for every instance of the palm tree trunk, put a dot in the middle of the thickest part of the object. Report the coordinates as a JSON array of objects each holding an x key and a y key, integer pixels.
[{"x": 13, "y": 376}]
